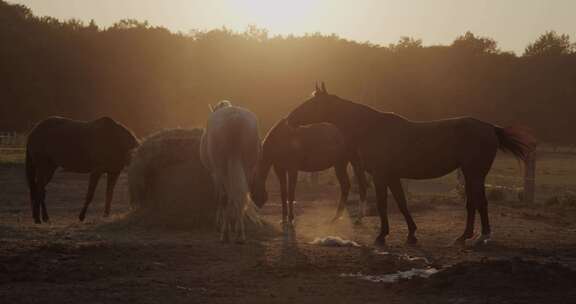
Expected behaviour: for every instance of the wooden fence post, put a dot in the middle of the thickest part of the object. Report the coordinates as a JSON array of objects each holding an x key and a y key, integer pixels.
[{"x": 530, "y": 178}]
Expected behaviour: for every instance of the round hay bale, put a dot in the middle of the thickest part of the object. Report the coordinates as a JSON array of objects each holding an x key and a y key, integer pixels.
[{"x": 168, "y": 184}]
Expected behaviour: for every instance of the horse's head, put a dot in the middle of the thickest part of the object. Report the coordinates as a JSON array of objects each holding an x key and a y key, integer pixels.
[
  {"x": 112, "y": 142},
  {"x": 314, "y": 110},
  {"x": 259, "y": 194}
]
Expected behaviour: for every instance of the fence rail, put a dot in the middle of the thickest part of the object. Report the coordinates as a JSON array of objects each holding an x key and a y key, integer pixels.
[{"x": 12, "y": 139}]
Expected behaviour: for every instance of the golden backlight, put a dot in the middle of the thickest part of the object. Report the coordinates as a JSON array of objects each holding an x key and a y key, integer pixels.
[{"x": 279, "y": 16}]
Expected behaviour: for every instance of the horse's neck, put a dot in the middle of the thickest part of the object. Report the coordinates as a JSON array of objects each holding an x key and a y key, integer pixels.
[
  {"x": 355, "y": 119},
  {"x": 264, "y": 167}
]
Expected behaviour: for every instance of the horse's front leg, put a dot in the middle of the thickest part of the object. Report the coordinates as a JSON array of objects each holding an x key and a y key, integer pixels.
[
  {"x": 44, "y": 176},
  {"x": 399, "y": 196},
  {"x": 292, "y": 181},
  {"x": 281, "y": 174},
  {"x": 112, "y": 179},
  {"x": 381, "y": 186},
  {"x": 342, "y": 175},
  {"x": 94, "y": 178},
  {"x": 362, "y": 186}
]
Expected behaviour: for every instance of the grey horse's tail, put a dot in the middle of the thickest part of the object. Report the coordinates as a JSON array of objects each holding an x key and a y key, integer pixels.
[{"x": 517, "y": 141}]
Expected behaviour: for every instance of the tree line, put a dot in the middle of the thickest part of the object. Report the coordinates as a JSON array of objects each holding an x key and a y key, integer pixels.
[{"x": 150, "y": 78}]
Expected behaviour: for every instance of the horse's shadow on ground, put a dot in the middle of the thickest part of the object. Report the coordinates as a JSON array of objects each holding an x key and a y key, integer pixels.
[{"x": 290, "y": 253}]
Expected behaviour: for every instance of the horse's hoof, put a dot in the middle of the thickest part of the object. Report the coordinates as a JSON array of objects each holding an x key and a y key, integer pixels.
[
  {"x": 411, "y": 240},
  {"x": 37, "y": 221},
  {"x": 482, "y": 240},
  {"x": 380, "y": 242},
  {"x": 106, "y": 215},
  {"x": 334, "y": 219},
  {"x": 288, "y": 227},
  {"x": 81, "y": 218},
  {"x": 459, "y": 242}
]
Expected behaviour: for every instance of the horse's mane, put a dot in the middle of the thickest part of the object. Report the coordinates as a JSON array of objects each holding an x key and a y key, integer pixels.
[
  {"x": 364, "y": 108},
  {"x": 222, "y": 104}
]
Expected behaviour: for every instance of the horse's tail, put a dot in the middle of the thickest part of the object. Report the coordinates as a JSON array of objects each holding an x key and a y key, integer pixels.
[
  {"x": 239, "y": 204},
  {"x": 31, "y": 180},
  {"x": 517, "y": 141}
]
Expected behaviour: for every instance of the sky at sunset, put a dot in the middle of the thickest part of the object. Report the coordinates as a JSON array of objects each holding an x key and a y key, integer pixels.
[{"x": 513, "y": 23}]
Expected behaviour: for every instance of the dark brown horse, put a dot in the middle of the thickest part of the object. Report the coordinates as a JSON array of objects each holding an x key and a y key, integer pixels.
[
  {"x": 95, "y": 147},
  {"x": 310, "y": 148},
  {"x": 392, "y": 147}
]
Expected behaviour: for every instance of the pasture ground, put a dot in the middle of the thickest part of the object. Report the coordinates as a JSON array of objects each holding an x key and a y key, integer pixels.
[{"x": 111, "y": 261}]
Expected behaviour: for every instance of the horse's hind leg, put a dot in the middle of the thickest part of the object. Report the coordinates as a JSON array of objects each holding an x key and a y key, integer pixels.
[
  {"x": 398, "y": 193},
  {"x": 481, "y": 203},
  {"x": 342, "y": 175},
  {"x": 94, "y": 178},
  {"x": 475, "y": 200},
  {"x": 240, "y": 229},
  {"x": 43, "y": 177}
]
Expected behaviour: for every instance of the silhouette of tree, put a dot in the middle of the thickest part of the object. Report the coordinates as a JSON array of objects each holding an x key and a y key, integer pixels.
[
  {"x": 150, "y": 78},
  {"x": 125, "y": 24},
  {"x": 550, "y": 44},
  {"x": 476, "y": 44},
  {"x": 405, "y": 44}
]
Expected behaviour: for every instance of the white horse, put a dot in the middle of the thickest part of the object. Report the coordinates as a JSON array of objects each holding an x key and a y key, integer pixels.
[{"x": 230, "y": 149}]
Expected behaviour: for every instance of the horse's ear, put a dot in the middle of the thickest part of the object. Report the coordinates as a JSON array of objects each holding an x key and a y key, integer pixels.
[
  {"x": 316, "y": 87},
  {"x": 324, "y": 88},
  {"x": 211, "y": 108}
]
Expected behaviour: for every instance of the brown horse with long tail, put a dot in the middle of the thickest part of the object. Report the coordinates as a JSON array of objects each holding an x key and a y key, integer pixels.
[
  {"x": 310, "y": 148},
  {"x": 96, "y": 147},
  {"x": 392, "y": 147}
]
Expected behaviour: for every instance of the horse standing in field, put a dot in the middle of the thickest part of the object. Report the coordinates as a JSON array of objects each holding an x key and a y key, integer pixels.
[
  {"x": 392, "y": 147},
  {"x": 230, "y": 150},
  {"x": 95, "y": 147},
  {"x": 309, "y": 148}
]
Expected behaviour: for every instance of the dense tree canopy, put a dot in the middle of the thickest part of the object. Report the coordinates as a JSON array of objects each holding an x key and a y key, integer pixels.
[
  {"x": 150, "y": 78},
  {"x": 550, "y": 44}
]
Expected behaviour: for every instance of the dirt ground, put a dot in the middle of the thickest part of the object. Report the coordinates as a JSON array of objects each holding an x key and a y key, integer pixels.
[{"x": 531, "y": 258}]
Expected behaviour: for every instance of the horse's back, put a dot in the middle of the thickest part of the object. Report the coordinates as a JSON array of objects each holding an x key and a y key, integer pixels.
[
  {"x": 231, "y": 131},
  {"x": 56, "y": 131},
  {"x": 233, "y": 117},
  {"x": 60, "y": 141},
  {"x": 464, "y": 132},
  {"x": 429, "y": 149},
  {"x": 311, "y": 147}
]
